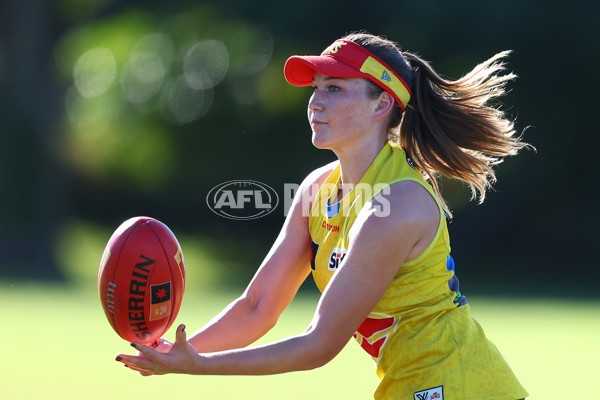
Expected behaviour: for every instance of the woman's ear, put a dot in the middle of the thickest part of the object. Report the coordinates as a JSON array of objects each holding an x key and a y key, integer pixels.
[{"x": 385, "y": 105}]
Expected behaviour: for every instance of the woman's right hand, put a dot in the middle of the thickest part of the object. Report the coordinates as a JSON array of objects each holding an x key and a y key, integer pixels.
[{"x": 162, "y": 346}]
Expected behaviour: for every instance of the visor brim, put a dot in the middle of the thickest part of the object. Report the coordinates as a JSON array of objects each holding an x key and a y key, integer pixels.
[{"x": 300, "y": 70}]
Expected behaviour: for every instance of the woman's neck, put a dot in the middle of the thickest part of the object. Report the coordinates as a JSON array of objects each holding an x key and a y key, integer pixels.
[{"x": 355, "y": 162}]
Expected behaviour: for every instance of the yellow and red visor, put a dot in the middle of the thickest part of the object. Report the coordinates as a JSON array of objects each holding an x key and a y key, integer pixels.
[{"x": 346, "y": 59}]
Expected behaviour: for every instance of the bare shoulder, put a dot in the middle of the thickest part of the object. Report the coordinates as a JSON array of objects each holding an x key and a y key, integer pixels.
[
  {"x": 306, "y": 192},
  {"x": 319, "y": 175},
  {"x": 411, "y": 202},
  {"x": 405, "y": 212},
  {"x": 313, "y": 181}
]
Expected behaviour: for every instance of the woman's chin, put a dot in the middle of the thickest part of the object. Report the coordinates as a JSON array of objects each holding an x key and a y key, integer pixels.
[{"x": 320, "y": 142}]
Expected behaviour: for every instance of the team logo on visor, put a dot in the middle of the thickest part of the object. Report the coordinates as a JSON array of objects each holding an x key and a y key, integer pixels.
[
  {"x": 386, "y": 77},
  {"x": 334, "y": 48}
]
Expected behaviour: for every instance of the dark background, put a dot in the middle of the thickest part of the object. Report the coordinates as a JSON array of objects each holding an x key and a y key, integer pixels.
[{"x": 536, "y": 234}]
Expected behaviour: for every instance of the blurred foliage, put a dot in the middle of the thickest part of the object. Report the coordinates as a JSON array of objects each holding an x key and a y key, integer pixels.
[
  {"x": 79, "y": 241},
  {"x": 113, "y": 108},
  {"x": 134, "y": 78}
]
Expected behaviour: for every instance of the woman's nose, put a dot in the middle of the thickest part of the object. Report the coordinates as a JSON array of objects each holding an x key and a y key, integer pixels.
[{"x": 315, "y": 102}]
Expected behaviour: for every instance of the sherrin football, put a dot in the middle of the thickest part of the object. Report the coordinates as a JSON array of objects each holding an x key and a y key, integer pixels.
[{"x": 141, "y": 280}]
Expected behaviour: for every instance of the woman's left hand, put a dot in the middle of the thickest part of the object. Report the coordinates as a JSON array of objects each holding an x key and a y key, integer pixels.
[{"x": 181, "y": 358}]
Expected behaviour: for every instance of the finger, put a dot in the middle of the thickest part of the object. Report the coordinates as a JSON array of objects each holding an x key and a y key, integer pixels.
[
  {"x": 145, "y": 350},
  {"x": 142, "y": 372},
  {"x": 150, "y": 373},
  {"x": 180, "y": 335},
  {"x": 136, "y": 366},
  {"x": 135, "y": 362},
  {"x": 164, "y": 346}
]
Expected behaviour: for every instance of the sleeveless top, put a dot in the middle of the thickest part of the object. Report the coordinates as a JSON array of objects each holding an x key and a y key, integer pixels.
[{"x": 420, "y": 335}]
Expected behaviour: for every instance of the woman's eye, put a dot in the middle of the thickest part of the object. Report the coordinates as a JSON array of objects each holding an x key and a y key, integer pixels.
[{"x": 330, "y": 88}]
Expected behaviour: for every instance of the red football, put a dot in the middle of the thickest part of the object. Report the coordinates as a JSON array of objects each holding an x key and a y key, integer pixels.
[{"x": 141, "y": 280}]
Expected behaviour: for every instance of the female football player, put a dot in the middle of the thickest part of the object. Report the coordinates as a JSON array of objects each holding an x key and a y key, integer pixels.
[{"x": 371, "y": 228}]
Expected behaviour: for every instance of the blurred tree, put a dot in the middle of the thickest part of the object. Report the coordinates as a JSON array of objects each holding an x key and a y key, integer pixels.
[
  {"x": 115, "y": 108},
  {"x": 32, "y": 204}
]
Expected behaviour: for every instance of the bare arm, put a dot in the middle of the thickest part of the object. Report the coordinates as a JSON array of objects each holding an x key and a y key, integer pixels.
[
  {"x": 273, "y": 287},
  {"x": 378, "y": 247},
  {"x": 271, "y": 290}
]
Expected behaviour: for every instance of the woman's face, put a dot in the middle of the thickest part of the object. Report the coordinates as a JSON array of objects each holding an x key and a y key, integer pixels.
[{"x": 340, "y": 111}]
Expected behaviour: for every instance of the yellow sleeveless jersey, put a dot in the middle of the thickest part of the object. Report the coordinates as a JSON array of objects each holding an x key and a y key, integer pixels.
[{"x": 421, "y": 336}]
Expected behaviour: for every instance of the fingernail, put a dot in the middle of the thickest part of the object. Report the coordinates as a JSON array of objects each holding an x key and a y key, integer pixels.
[
  {"x": 118, "y": 359},
  {"x": 183, "y": 329},
  {"x": 132, "y": 344}
]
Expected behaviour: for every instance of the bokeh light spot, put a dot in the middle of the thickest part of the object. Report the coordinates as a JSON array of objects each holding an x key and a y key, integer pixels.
[
  {"x": 205, "y": 64},
  {"x": 159, "y": 43},
  {"x": 94, "y": 72},
  {"x": 142, "y": 77},
  {"x": 183, "y": 104}
]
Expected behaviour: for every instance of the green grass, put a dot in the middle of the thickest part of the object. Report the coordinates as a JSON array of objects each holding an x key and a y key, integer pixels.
[{"x": 57, "y": 344}]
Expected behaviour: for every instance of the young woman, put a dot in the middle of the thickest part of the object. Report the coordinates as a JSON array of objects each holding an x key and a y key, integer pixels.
[{"x": 375, "y": 239}]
